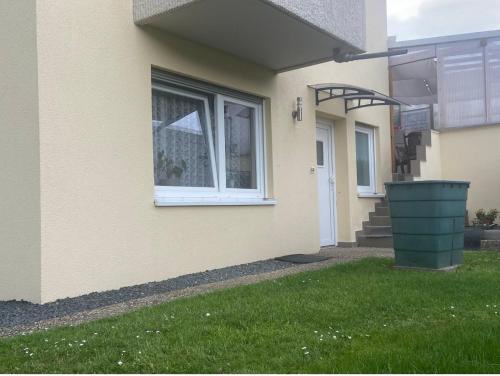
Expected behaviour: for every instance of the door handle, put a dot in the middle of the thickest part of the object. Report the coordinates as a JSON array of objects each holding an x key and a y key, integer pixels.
[{"x": 332, "y": 180}]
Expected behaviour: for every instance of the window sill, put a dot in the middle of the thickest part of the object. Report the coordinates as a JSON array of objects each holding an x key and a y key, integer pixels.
[
  {"x": 159, "y": 202},
  {"x": 371, "y": 195}
]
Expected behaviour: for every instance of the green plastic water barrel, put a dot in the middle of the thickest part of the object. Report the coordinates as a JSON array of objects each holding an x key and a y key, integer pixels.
[{"x": 428, "y": 222}]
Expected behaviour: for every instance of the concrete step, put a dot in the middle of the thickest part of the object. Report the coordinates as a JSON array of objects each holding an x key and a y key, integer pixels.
[
  {"x": 381, "y": 204},
  {"x": 377, "y": 230},
  {"x": 421, "y": 153},
  {"x": 377, "y": 220},
  {"x": 426, "y": 138},
  {"x": 397, "y": 176},
  {"x": 401, "y": 177},
  {"x": 415, "y": 167},
  {"x": 375, "y": 241},
  {"x": 382, "y": 211}
]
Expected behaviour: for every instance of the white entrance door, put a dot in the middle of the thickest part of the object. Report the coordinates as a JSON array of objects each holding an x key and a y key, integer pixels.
[{"x": 326, "y": 183}]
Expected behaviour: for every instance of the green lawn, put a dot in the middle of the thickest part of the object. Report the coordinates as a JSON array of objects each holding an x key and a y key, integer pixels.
[{"x": 357, "y": 317}]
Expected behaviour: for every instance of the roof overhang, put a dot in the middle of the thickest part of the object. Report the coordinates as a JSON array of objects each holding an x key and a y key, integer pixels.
[
  {"x": 393, "y": 43},
  {"x": 354, "y": 96},
  {"x": 278, "y": 34}
]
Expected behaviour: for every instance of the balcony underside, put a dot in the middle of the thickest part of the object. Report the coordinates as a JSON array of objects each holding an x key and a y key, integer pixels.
[{"x": 277, "y": 34}]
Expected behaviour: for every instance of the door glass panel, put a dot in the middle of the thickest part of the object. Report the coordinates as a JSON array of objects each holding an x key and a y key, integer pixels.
[
  {"x": 181, "y": 141},
  {"x": 320, "y": 154},
  {"x": 239, "y": 128},
  {"x": 363, "y": 159}
]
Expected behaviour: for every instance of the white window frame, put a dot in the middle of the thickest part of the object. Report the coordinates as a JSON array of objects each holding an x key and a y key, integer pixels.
[
  {"x": 180, "y": 191},
  {"x": 259, "y": 155},
  {"x": 368, "y": 189},
  {"x": 219, "y": 194}
]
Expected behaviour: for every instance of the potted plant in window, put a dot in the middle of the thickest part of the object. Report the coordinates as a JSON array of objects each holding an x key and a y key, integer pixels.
[{"x": 168, "y": 172}]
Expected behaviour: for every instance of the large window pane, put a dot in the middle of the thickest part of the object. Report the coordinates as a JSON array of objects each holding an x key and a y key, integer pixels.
[
  {"x": 181, "y": 141},
  {"x": 239, "y": 129},
  {"x": 461, "y": 84},
  {"x": 493, "y": 79},
  {"x": 363, "y": 158}
]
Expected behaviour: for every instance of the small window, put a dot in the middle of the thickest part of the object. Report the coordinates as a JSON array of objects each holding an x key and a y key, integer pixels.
[
  {"x": 320, "y": 159},
  {"x": 365, "y": 159},
  {"x": 207, "y": 147}
]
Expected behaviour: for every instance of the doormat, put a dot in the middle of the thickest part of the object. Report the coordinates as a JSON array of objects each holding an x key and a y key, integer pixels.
[{"x": 300, "y": 258}]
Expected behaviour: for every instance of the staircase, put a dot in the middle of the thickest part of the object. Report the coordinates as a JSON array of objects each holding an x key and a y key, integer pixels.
[
  {"x": 377, "y": 232},
  {"x": 419, "y": 167}
]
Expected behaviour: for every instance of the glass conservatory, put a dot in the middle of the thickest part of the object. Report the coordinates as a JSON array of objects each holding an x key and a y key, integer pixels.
[{"x": 450, "y": 82}]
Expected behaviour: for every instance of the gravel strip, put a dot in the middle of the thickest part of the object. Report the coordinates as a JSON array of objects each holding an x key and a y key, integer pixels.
[
  {"x": 28, "y": 317},
  {"x": 13, "y": 313}
]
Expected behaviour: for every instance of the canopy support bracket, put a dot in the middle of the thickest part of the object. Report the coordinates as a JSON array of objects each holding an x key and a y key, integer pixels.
[{"x": 364, "y": 97}]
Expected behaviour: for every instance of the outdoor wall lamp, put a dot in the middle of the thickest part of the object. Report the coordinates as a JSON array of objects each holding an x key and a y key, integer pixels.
[{"x": 297, "y": 113}]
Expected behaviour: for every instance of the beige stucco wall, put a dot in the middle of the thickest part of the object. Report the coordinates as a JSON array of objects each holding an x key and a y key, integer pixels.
[
  {"x": 468, "y": 154},
  {"x": 99, "y": 227},
  {"x": 473, "y": 155},
  {"x": 19, "y": 154}
]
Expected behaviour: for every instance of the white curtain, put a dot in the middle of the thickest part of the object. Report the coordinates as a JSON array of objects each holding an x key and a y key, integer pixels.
[
  {"x": 239, "y": 130},
  {"x": 461, "y": 88}
]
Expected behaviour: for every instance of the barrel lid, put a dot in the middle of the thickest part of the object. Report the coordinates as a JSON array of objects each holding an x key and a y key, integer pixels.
[{"x": 428, "y": 182}]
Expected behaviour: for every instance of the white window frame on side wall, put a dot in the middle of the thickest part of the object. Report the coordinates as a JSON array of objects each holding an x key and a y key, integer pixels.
[
  {"x": 219, "y": 194},
  {"x": 369, "y": 189}
]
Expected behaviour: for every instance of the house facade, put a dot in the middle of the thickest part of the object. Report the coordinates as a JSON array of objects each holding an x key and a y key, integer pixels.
[
  {"x": 143, "y": 140},
  {"x": 453, "y": 85}
]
